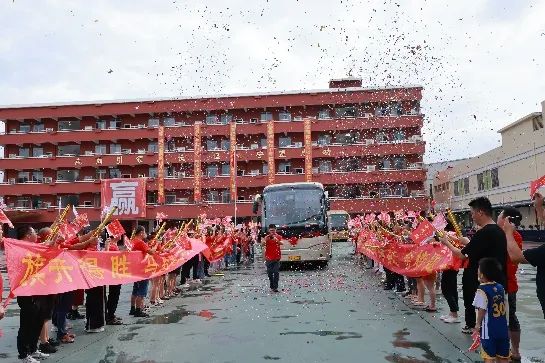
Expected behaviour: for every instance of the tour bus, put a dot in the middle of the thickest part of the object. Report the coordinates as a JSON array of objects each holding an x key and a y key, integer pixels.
[
  {"x": 299, "y": 211},
  {"x": 338, "y": 225}
]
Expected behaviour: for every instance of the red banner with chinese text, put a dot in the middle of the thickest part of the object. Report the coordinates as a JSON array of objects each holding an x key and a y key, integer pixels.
[
  {"x": 197, "y": 194},
  {"x": 128, "y": 195},
  {"x": 233, "y": 159},
  {"x": 34, "y": 269},
  {"x": 410, "y": 260},
  {"x": 161, "y": 165},
  {"x": 308, "y": 149},
  {"x": 271, "y": 151}
]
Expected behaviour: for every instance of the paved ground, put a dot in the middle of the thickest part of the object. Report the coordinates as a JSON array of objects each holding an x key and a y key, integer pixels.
[{"x": 339, "y": 314}]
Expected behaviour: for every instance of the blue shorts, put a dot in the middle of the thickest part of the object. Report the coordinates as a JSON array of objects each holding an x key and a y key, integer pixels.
[
  {"x": 494, "y": 348},
  {"x": 140, "y": 288}
]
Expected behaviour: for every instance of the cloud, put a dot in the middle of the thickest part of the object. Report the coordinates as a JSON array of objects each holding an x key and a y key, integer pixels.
[{"x": 480, "y": 62}]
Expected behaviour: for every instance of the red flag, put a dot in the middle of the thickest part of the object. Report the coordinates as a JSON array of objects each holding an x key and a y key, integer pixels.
[
  {"x": 67, "y": 231},
  {"x": 424, "y": 231},
  {"x": 535, "y": 185},
  {"x": 81, "y": 221},
  {"x": 115, "y": 229},
  {"x": 127, "y": 242},
  {"x": 5, "y": 219},
  {"x": 439, "y": 222}
]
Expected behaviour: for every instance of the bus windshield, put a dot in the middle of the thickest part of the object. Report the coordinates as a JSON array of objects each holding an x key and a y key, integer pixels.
[
  {"x": 292, "y": 207},
  {"x": 338, "y": 222}
]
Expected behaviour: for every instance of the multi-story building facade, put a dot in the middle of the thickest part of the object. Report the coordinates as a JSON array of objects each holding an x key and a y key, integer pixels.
[
  {"x": 363, "y": 144},
  {"x": 502, "y": 174}
]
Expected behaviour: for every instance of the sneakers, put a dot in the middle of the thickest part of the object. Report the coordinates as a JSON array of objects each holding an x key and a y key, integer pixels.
[
  {"x": 140, "y": 314},
  {"x": 197, "y": 281},
  {"x": 97, "y": 330},
  {"x": 47, "y": 348},
  {"x": 39, "y": 355},
  {"x": 28, "y": 359},
  {"x": 54, "y": 342},
  {"x": 467, "y": 330},
  {"x": 451, "y": 320}
]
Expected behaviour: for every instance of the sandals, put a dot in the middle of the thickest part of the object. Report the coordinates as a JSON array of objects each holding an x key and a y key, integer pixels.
[
  {"x": 67, "y": 338},
  {"x": 429, "y": 309}
]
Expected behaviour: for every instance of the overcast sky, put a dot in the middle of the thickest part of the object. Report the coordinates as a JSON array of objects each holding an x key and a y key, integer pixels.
[{"x": 481, "y": 62}]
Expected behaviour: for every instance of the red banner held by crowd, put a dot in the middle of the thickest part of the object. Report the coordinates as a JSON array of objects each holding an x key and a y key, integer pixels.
[
  {"x": 128, "y": 195},
  {"x": 35, "y": 269},
  {"x": 424, "y": 231},
  {"x": 536, "y": 184}
]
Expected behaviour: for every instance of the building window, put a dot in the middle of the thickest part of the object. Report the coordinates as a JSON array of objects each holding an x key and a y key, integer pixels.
[
  {"x": 23, "y": 176},
  {"x": 265, "y": 169},
  {"x": 38, "y": 127},
  {"x": 225, "y": 144},
  {"x": 115, "y": 124},
  {"x": 68, "y": 199},
  {"x": 381, "y": 137},
  {"x": 211, "y": 170},
  {"x": 37, "y": 202},
  {"x": 537, "y": 123},
  {"x": 385, "y": 164},
  {"x": 24, "y": 202},
  {"x": 226, "y": 118},
  {"x": 349, "y": 111},
  {"x": 213, "y": 196},
  {"x": 37, "y": 151},
  {"x": 263, "y": 142},
  {"x": 284, "y": 167},
  {"x": 100, "y": 174},
  {"x": 461, "y": 187},
  {"x": 153, "y": 122},
  {"x": 225, "y": 168},
  {"x": 169, "y": 121},
  {"x": 347, "y": 138},
  {"x": 266, "y": 116},
  {"x": 211, "y": 119},
  {"x": 400, "y": 162},
  {"x": 115, "y": 148},
  {"x": 399, "y": 135},
  {"x": 100, "y": 124},
  {"x": 38, "y": 176},
  {"x": 324, "y": 139},
  {"x": 24, "y": 128},
  {"x": 211, "y": 144},
  {"x": 152, "y": 147},
  {"x": 100, "y": 149},
  {"x": 152, "y": 172},
  {"x": 67, "y": 175},
  {"x": 323, "y": 115},
  {"x": 24, "y": 152},
  {"x": 68, "y": 150},
  {"x": 170, "y": 198},
  {"x": 495, "y": 178},
  {"x": 325, "y": 166},
  {"x": 284, "y": 116},
  {"x": 466, "y": 185},
  {"x": 284, "y": 141},
  {"x": 488, "y": 179},
  {"x": 115, "y": 173},
  {"x": 225, "y": 196},
  {"x": 69, "y": 125},
  {"x": 171, "y": 145},
  {"x": 151, "y": 198}
]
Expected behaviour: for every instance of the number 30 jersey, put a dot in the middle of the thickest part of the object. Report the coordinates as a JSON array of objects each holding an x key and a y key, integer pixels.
[{"x": 490, "y": 296}]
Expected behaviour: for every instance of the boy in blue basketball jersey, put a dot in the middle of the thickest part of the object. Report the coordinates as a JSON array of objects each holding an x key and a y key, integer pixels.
[{"x": 491, "y": 313}]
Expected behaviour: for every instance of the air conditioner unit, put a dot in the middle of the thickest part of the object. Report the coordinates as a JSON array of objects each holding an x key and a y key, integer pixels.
[
  {"x": 87, "y": 203},
  {"x": 416, "y": 138},
  {"x": 315, "y": 170},
  {"x": 126, "y": 151},
  {"x": 298, "y": 118},
  {"x": 12, "y": 156},
  {"x": 88, "y": 178},
  {"x": 141, "y": 126},
  {"x": 88, "y": 128},
  {"x": 253, "y": 120},
  {"x": 89, "y": 153},
  {"x": 371, "y": 167},
  {"x": 254, "y": 146},
  {"x": 11, "y": 181},
  {"x": 369, "y": 141},
  {"x": 47, "y": 179},
  {"x": 47, "y": 204},
  {"x": 141, "y": 151},
  {"x": 49, "y": 130},
  {"x": 298, "y": 144},
  {"x": 367, "y": 115}
]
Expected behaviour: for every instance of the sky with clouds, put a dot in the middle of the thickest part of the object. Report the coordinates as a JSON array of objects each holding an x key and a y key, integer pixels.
[{"x": 481, "y": 62}]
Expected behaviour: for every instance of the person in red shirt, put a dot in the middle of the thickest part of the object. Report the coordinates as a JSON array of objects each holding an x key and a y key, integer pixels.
[
  {"x": 512, "y": 286},
  {"x": 272, "y": 242},
  {"x": 140, "y": 288}
]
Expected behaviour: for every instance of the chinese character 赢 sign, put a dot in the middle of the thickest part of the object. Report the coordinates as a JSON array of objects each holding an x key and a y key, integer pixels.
[
  {"x": 308, "y": 149},
  {"x": 128, "y": 195}
]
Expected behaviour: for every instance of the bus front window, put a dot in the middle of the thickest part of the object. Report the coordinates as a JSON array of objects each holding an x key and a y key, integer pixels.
[{"x": 293, "y": 206}]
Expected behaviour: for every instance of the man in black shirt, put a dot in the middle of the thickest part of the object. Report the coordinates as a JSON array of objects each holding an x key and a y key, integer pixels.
[
  {"x": 533, "y": 256},
  {"x": 488, "y": 241}
]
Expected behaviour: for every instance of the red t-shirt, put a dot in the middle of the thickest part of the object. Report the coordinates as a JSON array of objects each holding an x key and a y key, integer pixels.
[
  {"x": 272, "y": 248},
  {"x": 511, "y": 268},
  {"x": 69, "y": 243},
  {"x": 139, "y": 245},
  {"x": 113, "y": 247}
]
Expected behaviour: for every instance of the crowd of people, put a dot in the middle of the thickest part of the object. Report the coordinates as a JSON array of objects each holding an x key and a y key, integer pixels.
[
  {"x": 490, "y": 260},
  {"x": 42, "y": 314}
]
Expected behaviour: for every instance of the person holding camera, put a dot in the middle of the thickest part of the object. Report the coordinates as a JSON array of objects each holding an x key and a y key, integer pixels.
[{"x": 272, "y": 242}]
